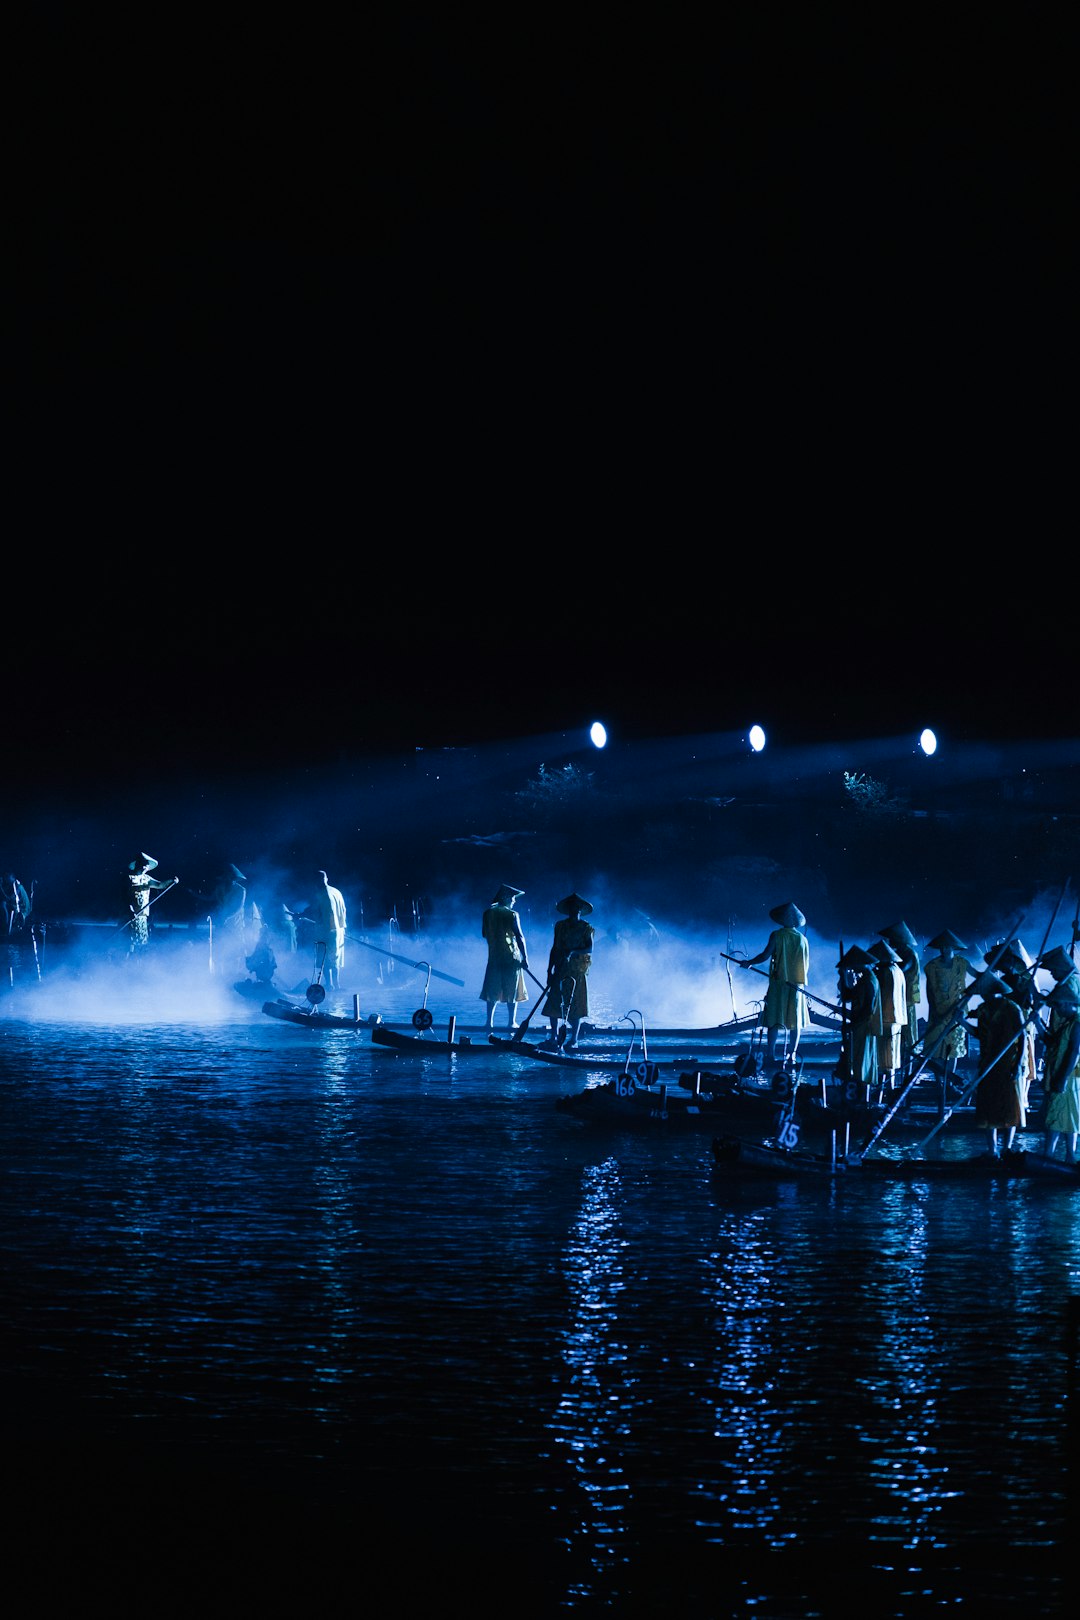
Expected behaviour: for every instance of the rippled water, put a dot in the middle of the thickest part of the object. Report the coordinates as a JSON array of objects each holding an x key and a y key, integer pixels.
[{"x": 286, "y": 1313}]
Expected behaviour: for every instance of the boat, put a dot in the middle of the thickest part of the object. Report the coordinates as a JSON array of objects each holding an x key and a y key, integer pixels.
[
  {"x": 694, "y": 1101},
  {"x": 735, "y": 1154},
  {"x": 545, "y": 1052},
  {"x": 731, "y": 1031},
  {"x": 424, "y": 1044},
  {"x": 701, "y": 1098},
  {"x": 311, "y": 1016}
]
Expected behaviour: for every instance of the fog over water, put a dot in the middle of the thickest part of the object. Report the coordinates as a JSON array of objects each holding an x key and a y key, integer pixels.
[
  {"x": 654, "y": 970},
  {"x": 682, "y": 846}
]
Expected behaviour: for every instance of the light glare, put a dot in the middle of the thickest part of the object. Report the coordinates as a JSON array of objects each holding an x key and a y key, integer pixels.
[
  {"x": 598, "y": 734},
  {"x": 757, "y": 739},
  {"x": 928, "y": 742}
]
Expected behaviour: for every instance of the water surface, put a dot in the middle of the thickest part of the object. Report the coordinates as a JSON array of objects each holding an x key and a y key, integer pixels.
[{"x": 284, "y": 1310}]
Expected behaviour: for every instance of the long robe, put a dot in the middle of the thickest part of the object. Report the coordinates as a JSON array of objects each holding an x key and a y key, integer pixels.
[
  {"x": 1001, "y": 1095},
  {"x": 568, "y": 969},
  {"x": 893, "y": 987},
  {"x": 331, "y": 919},
  {"x": 945, "y": 986},
  {"x": 789, "y": 965},
  {"x": 503, "y": 977},
  {"x": 863, "y": 1034}
]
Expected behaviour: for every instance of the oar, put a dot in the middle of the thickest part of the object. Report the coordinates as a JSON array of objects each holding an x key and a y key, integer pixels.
[
  {"x": 426, "y": 966},
  {"x": 519, "y": 1033}
]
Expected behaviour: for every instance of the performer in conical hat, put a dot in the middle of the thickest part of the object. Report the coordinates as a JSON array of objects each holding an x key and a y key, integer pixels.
[
  {"x": 894, "y": 1020},
  {"x": 140, "y": 884},
  {"x": 504, "y": 977},
  {"x": 1017, "y": 968},
  {"x": 860, "y": 990},
  {"x": 903, "y": 941},
  {"x": 788, "y": 953},
  {"x": 569, "y": 961},
  {"x": 947, "y": 976},
  {"x": 1000, "y": 1101}
]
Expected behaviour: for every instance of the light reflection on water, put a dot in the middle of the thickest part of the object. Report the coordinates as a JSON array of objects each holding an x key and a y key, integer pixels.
[{"x": 246, "y": 1264}]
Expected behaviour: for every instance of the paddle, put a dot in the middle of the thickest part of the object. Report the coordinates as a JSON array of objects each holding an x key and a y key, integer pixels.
[
  {"x": 519, "y": 1033},
  {"x": 408, "y": 961}
]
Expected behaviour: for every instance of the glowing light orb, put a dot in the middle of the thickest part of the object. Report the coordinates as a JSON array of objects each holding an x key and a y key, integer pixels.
[
  {"x": 757, "y": 739},
  {"x": 928, "y": 742},
  {"x": 597, "y": 734}
]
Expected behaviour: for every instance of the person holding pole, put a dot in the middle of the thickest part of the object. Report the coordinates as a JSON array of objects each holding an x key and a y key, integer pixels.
[
  {"x": 140, "y": 885},
  {"x": 789, "y": 970},
  {"x": 1000, "y": 1024},
  {"x": 508, "y": 959},
  {"x": 569, "y": 961},
  {"x": 947, "y": 975},
  {"x": 330, "y": 920}
]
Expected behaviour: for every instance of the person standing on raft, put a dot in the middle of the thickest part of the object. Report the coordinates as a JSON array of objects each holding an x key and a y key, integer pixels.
[
  {"x": 789, "y": 969},
  {"x": 504, "y": 978},
  {"x": 569, "y": 962}
]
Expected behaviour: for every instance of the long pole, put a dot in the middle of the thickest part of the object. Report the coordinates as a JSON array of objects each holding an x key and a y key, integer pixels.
[{"x": 449, "y": 977}]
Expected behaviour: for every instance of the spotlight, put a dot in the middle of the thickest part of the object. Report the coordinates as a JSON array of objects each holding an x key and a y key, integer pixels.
[
  {"x": 757, "y": 739},
  {"x": 597, "y": 734},
  {"x": 928, "y": 742}
]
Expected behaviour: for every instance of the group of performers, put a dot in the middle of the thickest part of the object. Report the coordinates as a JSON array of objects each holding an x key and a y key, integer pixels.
[
  {"x": 566, "y": 988},
  {"x": 880, "y": 993}
]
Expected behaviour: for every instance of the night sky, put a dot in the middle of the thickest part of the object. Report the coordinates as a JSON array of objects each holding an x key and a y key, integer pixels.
[{"x": 416, "y": 383}]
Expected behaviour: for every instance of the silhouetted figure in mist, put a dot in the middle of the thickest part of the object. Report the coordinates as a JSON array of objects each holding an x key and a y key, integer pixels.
[
  {"x": 227, "y": 901},
  {"x": 504, "y": 977},
  {"x": 569, "y": 962},
  {"x": 261, "y": 962},
  {"x": 788, "y": 953},
  {"x": 16, "y": 905},
  {"x": 140, "y": 887},
  {"x": 330, "y": 916}
]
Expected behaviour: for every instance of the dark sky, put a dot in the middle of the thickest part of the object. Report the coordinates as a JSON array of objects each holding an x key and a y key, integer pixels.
[{"x": 413, "y": 382}]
